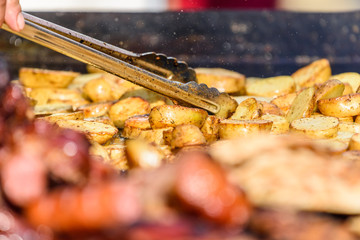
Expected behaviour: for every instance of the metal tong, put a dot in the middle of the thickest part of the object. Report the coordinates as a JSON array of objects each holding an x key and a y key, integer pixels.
[{"x": 157, "y": 72}]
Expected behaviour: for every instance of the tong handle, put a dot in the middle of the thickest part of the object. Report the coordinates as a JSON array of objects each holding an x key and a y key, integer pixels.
[
  {"x": 159, "y": 64},
  {"x": 84, "y": 53}
]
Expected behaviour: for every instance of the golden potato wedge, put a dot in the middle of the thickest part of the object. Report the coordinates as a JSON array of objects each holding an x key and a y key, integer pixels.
[
  {"x": 98, "y": 150},
  {"x": 347, "y": 89},
  {"x": 355, "y": 142},
  {"x": 316, "y": 72},
  {"x": 126, "y": 108},
  {"x": 349, "y": 127},
  {"x": 271, "y": 87},
  {"x": 94, "y": 131},
  {"x": 117, "y": 156},
  {"x": 346, "y": 119},
  {"x": 343, "y": 106},
  {"x": 280, "y": 124},
  {"x": 237, "y": 128},
  {"x": 224, "y": 80},
  {"x": 44, "y": 96},
  {"x": 154, "y": 135},
  {"x": 240, "y": 99},
  {"x": 248, "y": 109},
  {"x": 303, "y": 105},
  {"x": 186, "y": 135},
  {"x": 78, "y": 115},
  {"x": 173, "y": 115},
  {"x": 352, "y": 78},
  {"x": 284, "y": 101},
  {"x": 134, "y": 125},
  {"x": 153, "y": 98},
  {"x": 330, "y": 89},
  {"x": 79, "y": 81},
  {"x": 44, "y": 78},
  {"x": 101, "y": 90},
  {"x": 143, "y": 154},
  {"x": 316, "y": 126},
  {"x": 270, "y": 108},
  {"x": 210, "y": 128},
  {"x": 95, "y": 109},
  {"x": 102, "y": 119},
  {"x": 48, "y": 109}
]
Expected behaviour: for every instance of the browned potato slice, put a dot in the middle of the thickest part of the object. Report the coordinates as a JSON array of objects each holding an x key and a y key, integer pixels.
[
  {"x": 270, "y": 108},
  {"x": 144, "y": 155},
  {"x": 79, "y": 82},
  {"x": 173, "y": 115},
  {"x": 317, "y": 72},
  {"x": 48, "y": 109},
  {"x": 102, "y": 90},
  {"x": 44, "y": 96},
  {"x": 210, "y": 128},
  {"x": 95, "y": 109},
  {"x": 240, "y": 99},
  {"x": 303, "y": 105},
  {"x": 98, "y": 150},
  {"x": 79, "y": 115},
  {"x": 153, "y": 98},
  {"x": 330, "y": 89},
  {"x": 134, "y": 125},
  {"x": 117, "y": 156},
  {"x": 316, "y": 126},
  {"x": 248, "y": 109},
  {"x": 95, "y": 131},
  {"x": 346, "y": 119},
  {"x": 284, "y": 101},
  {"x": 126, "y": 108},
  {"x": 224, "y": 80},
  {"x": 154, "y": 135},
  {"x": 355, "y": 142},
  {"x": 43, "y": 78},
  {"x": 343, "y": 106},
  {"x": 280, "y": 124},
  {"x": 352, "y": 78},
  {"x": 271, "y": 87},
  {"x": 348, "y": 89},
  {"x": 349, "y": 127},
  {"x": 237, "y": 128},
  {"x": 102, "y": 119},
  {"x": 186, "y": 135}
]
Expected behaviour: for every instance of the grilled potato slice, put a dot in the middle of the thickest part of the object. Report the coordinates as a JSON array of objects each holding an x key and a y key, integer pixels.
[
  {"x": 248, "y": 109},
  {"x": 79, "y": 81},
  {"x": 44, "y": 78},
  {"x": 355, "y": 142},
  {"x": 349, "y": 127},
  {"x": 117, "y": 156},
  {"x": 230, "y": 128},
  {"x": 317, "y": 72},
  {"x": 144, "y": 155},
  {"x": 303, "y": 105},
  {"x": 134, "y": 125},
  {"x": 95, "y": 109},
  {"x": 330, "y": 89},
  {"x": 172, "y": 115},
  {"x": 284, "y": 101},
  {"x": 280, "y": 124},
  {"x": 348, "y": 89},
  {"x": 316, "y": 126},
  {"x": 101, "y": 90},
  {"x": 270, "y": 108},
  {"x": 351, "y": 78},
  {"x": 154, "y": 135},
  {"x": 102, "y": 119},
  {"x": 48, "y": 109},
  {"x": 186, "y": 135},
  {"x": 94, "y": 131},
  {"x": 44, "y": 96},
  {"x": 271, "y": 87},
  {"x": 240, "y": 99},
  {"x": 224, "y": 80},
  {"x": 153, "y": 98},
  {"x": 343, "y": 106},
  {"x": 210, "y": 128},
  {"x": 79, "y": 115},
  {"x": 126, "y": 108}
]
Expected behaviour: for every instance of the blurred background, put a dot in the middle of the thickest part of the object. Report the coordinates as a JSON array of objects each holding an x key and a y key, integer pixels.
[{"x": 175, "y": 5}]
